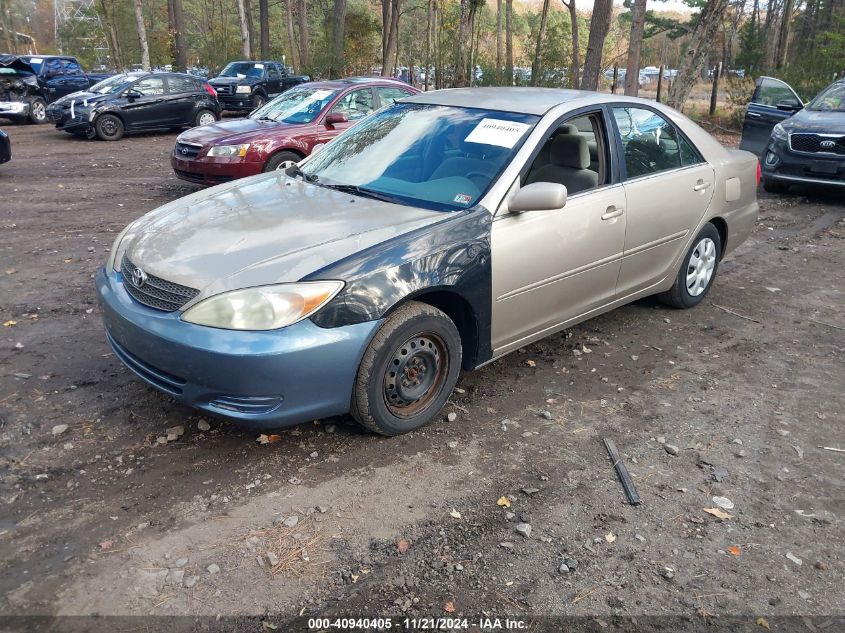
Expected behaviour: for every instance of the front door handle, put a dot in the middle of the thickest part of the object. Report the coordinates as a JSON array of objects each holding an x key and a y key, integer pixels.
[
  {"x": 612, "y": 212},
  {"x": 701, "y": 186},
  {"x": 753, "y": 115}
]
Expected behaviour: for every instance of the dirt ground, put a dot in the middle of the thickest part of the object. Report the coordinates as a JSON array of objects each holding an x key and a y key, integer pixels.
[{"x": 99, "y": 518}]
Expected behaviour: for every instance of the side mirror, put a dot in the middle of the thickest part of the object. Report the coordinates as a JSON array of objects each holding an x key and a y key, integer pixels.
[
  {"x": 788, "y": 106},
  {"x": 538, "y": 196},
  {"x": 336, "y": 117},
  {"x": 132, "y": 94}
]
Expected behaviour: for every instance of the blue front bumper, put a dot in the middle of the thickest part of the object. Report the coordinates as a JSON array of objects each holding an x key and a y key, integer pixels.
[{"x": 262, "y": 379}]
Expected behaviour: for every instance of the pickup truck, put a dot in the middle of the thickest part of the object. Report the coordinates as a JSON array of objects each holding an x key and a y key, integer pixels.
[
  {"x": 246, "y": 85},
  {"x": 29, "y": 82}
]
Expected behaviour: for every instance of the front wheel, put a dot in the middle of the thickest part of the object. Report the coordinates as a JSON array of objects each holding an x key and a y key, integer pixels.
[
  {"x": 204, "y": 117},
  {"x": 697, "y": 271},
  {"x": 258, "y": 101},
  {"x": 408, "y": 370},
  {"x": 37, "y": 111},
  {"x": 109, "y": 128},
  {"x": 281, "y": 161}
]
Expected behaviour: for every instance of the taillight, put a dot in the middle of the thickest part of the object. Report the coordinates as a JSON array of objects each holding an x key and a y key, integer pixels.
[
  {"x": 758, "y": 172},
  {"x": 210, "y": 90}
]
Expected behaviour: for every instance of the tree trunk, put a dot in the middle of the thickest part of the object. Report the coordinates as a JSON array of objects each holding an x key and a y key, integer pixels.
[
  {"x": 500, "y": 52},
  {"x": 304, "y": 44},
  {"x": 250, "y": 27},
  {"x": 599, "y": 26},
  {"x": 428, "y": 34},
  {"x": 338, "y": 33},
  {"x": 389, "y": 37},
  {"x": 179, "y": 50},
  {"x": 783, "y": 37},
  {"x": 242, "y": 22},
  {"x": 107, "y": 7},
  {"x": 264, "y": 28},
  {"x": 142, "y": 35},
  {"x": 536, "y": 67},
  {"x": 693, "y": 60},
  {"x": 294, "y": 57},
  {"x": 575, "y": 67},
  {"x": 9, "y": 36},
  {"x": 508, "y": 42},
  {"x": 461, "y": 67},
  {"x": 635, "y": 47}
]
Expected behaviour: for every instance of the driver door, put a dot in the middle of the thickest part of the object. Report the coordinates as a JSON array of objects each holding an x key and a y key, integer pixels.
[
  {"x": 150, "y": 109},
  {"x": 773, "y": 101},
  {"x": 355, "y": 105}
]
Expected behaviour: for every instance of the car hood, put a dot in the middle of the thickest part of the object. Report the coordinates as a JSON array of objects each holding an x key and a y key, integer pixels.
[
  {"x": 262, "y": 230},
  {"x": 234, "y": 131},
  {"x": 81, "y": 97},
  {"x": 819, "y": 121}
]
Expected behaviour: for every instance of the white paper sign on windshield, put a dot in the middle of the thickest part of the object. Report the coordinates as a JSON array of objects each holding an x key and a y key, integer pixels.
[
  {"x": 319, "y": 95},
  {"x": 497, "y": 132},
  {"x": 259, "y": 65}
]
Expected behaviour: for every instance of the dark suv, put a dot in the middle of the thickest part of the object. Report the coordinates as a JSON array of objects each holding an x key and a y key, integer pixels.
[
  {"x": 136, "y": 102},
  {"x": 246, "y": 85}
]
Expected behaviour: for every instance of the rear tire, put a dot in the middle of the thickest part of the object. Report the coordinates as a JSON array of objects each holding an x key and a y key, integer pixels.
[
  {"x": 37, "y": 112},
  {"x": 204, "y": 117},
  {"x": 109, "y": 127},
  {"x": 408, "y": 370},
  {"x": 774, "y": 186},
  {"x": 281, "y": 160},
  {"x": 698, "y": 270}
]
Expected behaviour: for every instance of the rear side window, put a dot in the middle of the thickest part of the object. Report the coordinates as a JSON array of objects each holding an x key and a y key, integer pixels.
[
  {"x": 72, "y": 67},
  {"x": 651, "y": 143},
  {"x": 181, "y": 84},
  {"x": 388, "y": 96},
  {"x": 150, "y": 86}
]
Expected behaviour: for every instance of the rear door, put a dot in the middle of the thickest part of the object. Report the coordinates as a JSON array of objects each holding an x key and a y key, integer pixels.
[
  {"x": 274, "y": 80},
  {"x": 181, "y": 100},
  {"x": 773, "y": 101}
]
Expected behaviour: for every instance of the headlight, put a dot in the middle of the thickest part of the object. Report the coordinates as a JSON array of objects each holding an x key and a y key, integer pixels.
[
  {"x": 263, "y": 307},
  {"x": 229, "y": 150},
  {"x": 779, "y": 133},
  {"x": 117, "y": 249},
  {"x": 243, "y": 89}
]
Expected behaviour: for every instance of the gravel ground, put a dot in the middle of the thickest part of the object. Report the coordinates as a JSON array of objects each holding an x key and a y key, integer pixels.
[{"x": 730, "y": 400}]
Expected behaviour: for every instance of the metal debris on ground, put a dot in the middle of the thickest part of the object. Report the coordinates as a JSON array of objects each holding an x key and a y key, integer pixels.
[{"x": 622, "y": 472}]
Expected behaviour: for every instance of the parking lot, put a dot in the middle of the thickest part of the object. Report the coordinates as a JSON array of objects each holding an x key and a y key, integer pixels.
[{"x": 115, "y": 500}]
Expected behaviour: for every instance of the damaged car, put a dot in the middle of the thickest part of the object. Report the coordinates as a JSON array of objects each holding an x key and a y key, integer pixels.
[
  {"x": 21, "y": 98},
  {"x": 438, "y": 234}
]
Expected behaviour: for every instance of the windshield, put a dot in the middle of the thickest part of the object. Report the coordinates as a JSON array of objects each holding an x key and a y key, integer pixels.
[
  {"x": 5, "y": 70},
  {"x": 111, "y": 85},
  {"x": 831, "y": 99},
  {"x": 297, "y": 105},
  {"x": 436, "y": 157},
  {"x": 243, "y": 69}
]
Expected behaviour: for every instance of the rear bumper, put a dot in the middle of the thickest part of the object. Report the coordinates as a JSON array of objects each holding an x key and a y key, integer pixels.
[
  {"x": 783, "y": 165},
  {"x": 260, "y": 379},
  {"x": 212, "y": 171}
]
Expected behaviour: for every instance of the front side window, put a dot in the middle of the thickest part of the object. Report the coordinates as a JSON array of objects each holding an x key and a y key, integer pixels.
[
  {"x": 831, "y": 99},
  {"x": 355, "y": 105},
  {"x": 273, "y": 72},
  {"x": 296, "y": 106},
  {"x": 770, "y": 92},
  {"x": 651, "y": 144},
  {"x": 437, "y": 157},
  {"x": 150, "y": 86}
]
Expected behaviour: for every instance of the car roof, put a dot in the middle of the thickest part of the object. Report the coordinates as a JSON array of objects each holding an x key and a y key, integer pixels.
[
  {"x": 357, "y": 81},
  {"x": 514, "y": 99}
]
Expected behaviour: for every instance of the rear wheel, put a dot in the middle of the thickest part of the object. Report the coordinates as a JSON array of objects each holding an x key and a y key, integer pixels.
[
  {"x": 109, "y": 127},
  {"x": 697, "y": 271},
  {"x": 408, "y": 370},
  {"x": 282, "y": 160},
  {"x": 38, "y": 111},
  {"x": 774, "y": 186},
  {"x": 205, "y": 117}
]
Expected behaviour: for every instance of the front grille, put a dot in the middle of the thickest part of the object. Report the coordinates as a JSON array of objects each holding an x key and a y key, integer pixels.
[
  {"x": 812, "y": 143},
  {"x": 187, "y": 150},
  {"x": 225, "y": 90},
  {"x": 155, "y": 292}
]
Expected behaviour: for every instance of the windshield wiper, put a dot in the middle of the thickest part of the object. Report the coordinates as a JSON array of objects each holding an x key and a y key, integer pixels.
[
  {"x": 295, "y": 171},
  {"x": 364, "y": 193},
  {"x": 266, "y": 118}
]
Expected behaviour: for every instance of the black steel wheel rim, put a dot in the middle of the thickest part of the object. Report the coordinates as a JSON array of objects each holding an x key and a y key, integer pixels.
[
  {"x": 415, "y": 374},
  {"x": 109, "y": 127}
]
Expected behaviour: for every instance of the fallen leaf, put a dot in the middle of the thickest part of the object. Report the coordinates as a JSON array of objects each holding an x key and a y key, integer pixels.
[
  {"x": 764, "y": 623},
  {"x": 719, "y": 514},
  {"x": 530, "y": 363},
  {"x": 268, "y": 626},
  {"x": 267, "y": 439},
  {"x": 455, "y": 514},
  {"x": 610, "y": 537},
  {"x": 504, "y": 502},
  {"x": 509, "y": 583},
  {"x": 736, "y": 550},
  {"x": 449, "y": 607},
  {"x": 9, "y": 323},
  {"x": 107, "y": 544},
  {"x": 403, "y": 545}
]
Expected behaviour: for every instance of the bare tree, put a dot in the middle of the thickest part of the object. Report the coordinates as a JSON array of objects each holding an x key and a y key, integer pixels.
[
  {"x": 176, "y": 21},
  {"x": 499, "y": 42},
  {"x": 294, "y": 56},
  {"x": 575, "y": 68},
  {"x": 696, "y": 53},
  {"x": 389, "y": 36},
  {"x": 107, "y": 10},
  {"x": 304, "y": 42},
  {"x": 536, "y": 67},
  {"x": 264, "y": 28},
  {"x": 242, "y": 22},
  {"x": 338, "y": 32},
  {"x": 783, "y": 36},
  {"x": 250, "y": 27},
  {"x": 509, "y": 42},
  {"x": 142, "y": 35},
  {"x": 461, "y": 69},
  {"x": 635, "y": 47},
  {"x": 428, "y": 36},
  {"x": 599, "y": 26}
]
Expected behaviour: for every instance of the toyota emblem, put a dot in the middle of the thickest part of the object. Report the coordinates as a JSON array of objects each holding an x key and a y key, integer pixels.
[
  {"x": 828, "y": 144},
  {"x": 139, "y": 277}
]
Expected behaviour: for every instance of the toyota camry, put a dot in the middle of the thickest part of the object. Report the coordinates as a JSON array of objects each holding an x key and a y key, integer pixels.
[{"x": 439, "y": 234}]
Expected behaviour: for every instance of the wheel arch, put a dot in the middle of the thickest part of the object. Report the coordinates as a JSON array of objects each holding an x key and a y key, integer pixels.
[{"x": 721, "y": 226}]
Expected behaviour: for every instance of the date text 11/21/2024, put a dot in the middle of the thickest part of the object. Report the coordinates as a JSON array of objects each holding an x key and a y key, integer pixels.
[{"x": 417, "y": 624}]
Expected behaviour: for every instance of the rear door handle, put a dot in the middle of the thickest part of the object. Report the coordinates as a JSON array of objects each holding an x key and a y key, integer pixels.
[
  {"x": 701, "y": 186},
  {"x": 612, "y": 212}
]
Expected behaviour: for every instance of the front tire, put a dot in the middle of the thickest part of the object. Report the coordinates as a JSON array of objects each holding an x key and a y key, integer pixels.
[
  {"x": 281, "y": 160},
  {"x": 697, "y": 271},
  {"x": 408, "y": 370},
  {"x": 109, "y": 128},
  {"x": 37, "y": 112},
  {"x": 258, "y": 101}
]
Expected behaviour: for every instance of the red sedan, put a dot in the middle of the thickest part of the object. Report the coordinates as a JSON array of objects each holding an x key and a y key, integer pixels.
[{"x": 281, "y": 132}]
